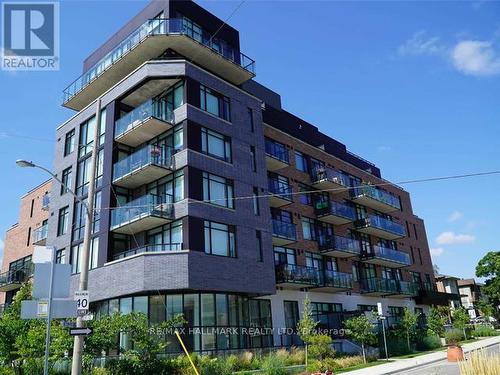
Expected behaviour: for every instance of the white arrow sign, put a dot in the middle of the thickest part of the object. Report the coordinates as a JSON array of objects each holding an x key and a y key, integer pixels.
[{"x": 80, "y": 331}]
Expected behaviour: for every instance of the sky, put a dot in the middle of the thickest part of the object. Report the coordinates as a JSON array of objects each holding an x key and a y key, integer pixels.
[{"x": 412, "y": 86}]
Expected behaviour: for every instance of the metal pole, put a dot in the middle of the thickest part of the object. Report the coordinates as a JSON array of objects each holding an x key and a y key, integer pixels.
[
  {"x": 385, "y": 340},
  {"x": 76, "y": 366},
  {"x": 49, "y": 313}
]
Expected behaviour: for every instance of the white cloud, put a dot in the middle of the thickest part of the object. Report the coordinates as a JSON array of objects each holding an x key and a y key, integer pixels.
[
  {"x": 476, "y": 57},
  {"x": 421, "y": 44},
  {"x": 452, "y": 238},
  {"x": 384, "y": 148},
  {"x": 455, "y": 216},
  {"x": 436, "y": 251}
]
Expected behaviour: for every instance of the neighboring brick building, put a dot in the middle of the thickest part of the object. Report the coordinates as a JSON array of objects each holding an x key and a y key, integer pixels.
[
  {"x": 30, "y": 230},
  {"x": 198, "y": 194}
]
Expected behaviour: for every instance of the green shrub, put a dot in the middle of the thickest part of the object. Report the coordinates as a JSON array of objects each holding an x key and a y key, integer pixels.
[
  {"x": 484, "y": 331},
  {"x": 296, "y": 357},
  {"x": 273, "y": 365},
  {"x": 214, "y": 366},
  {"x": 396, "y": 345},
  {"x": 454, "y": 336},
  {"x": 320, "y": 347},
  {"x": 99, "y": 371},
  {"x": 6, "y": 371},
  {"x": 430, "y": 342}
]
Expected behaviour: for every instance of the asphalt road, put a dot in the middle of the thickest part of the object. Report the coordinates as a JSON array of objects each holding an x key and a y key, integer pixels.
[{"x": 444, "y": 367}]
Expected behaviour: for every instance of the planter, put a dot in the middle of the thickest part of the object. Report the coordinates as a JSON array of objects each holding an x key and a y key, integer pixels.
[{"x": 455, "y": 353}]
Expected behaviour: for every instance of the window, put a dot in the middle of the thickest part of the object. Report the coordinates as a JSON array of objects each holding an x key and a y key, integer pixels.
[
  {"x": 219, "y": 239},
  {"x": 305, "y": 197},
  {"x": 20, "y": 263},
  {"x": 355, "y": 271},
  {"x": 314, "y": 261},
  {"x": 61, "y": 256},
  {"x": 80, "y": 217},
  {"x": 253, "y": 158},
  {"x": 415, "y": 231},
  {"x": 308, "y": 229},
  {"x": 416, "y": 277},
  {"x": 258, "y": 236},
  {"x": 216, "y": 145},
  {"x": 283, "y": 255},
  {"x": 300, "y": 162},
  {"x": 66, "y": 179},
  {"x": 318, "y": 310},
  {"x": 83, "y": 173},
  {"x": 69, "y": 142},
  {"x": 167, "y": 237},
  {"x": 291, "y": 319},
  {"x": 62, "y": 223},
  {"x": 87, "y": 134},
  {"x": 412, "y": 255},
  {"x": 218, "y": 190},
  {"x": 76, "y": 256},
  {"x": 250, "y": 120},
  {"x": 28, "y": 242},
  {"x": 419, "y": 255},
  {"x": 172, "y": 185},
  {"x": 215, "y": 103},
  {"x": 365, "y": 308},
  {"x": 255, "y": 201},
  {"x": 32, "y": 207}
]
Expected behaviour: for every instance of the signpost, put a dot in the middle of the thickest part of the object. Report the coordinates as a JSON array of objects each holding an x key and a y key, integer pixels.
[{"x": 381, "y": 316}]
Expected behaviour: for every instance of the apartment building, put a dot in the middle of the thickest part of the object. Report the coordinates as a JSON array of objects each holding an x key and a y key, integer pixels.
[
  {"x": 20, "y": 239},
  {"x": 449, "y": 285},
  {"x": 470, "y": 293},
  {"x": 215, "y": 202}
]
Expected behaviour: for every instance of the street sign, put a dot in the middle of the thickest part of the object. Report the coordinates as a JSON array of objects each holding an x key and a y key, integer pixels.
[
  {"x": 68, "y": 324},
  {"x": 61, "y": 309},
  {"x": 379, "y": 309},
  {"x": 61, "y": 282},
  {"x": 42, "y": 309},
  {"x": 88, "y": 317},
  {"x": 80, "y": 331},
  {"x": 82, "y": 302}
]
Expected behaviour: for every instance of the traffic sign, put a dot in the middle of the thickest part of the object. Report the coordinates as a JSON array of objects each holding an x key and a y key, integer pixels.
[
  {"x": 82, "y": 302},
  {"x": 68, "y": 324},
  {"x": 80, "y": 331},
  {"x": 379, "y": 309},
  {"x": 42, "y": 309}
]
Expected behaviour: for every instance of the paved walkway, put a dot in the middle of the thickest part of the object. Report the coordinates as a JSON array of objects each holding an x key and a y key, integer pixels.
[{"x": 405, "y": 364}]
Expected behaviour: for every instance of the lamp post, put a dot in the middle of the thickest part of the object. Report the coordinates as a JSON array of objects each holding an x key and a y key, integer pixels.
[{"x": 76, "y": 366}]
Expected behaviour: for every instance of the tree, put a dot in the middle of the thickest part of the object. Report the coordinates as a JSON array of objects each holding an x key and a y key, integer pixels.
[
  {"x": 486, "y": 308},
  {"x": 489, "y": 267},
  {"x": 436, "y": 322},
  {"x": 360, "y": 329},
  {"x": 460, "y": 320},
  {"x": 408, "y": 325},
  {"x": 307, "y": 325}
]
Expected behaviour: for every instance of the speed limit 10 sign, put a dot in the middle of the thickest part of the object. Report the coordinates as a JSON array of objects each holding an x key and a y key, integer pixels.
[{"x": 82, "y": 302}]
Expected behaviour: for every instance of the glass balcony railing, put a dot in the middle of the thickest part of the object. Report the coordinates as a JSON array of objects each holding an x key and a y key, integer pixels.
[
  {"x": 16, "y": 276},
  {"x": 150, "y": 108},
  {"x": 148, "y": 249},
  {"x": 391, "y": 255},
  {"x": 149, "y": 155},
  {"x": 321, "y": 174},
  {"x": 283, "y": 229},
  {"x": 280, "y": 188},
  {"x": 277, "y": 151},
  {"x": 382, "y": 223},
  {"x": 173, "y": 26},
  {"x": 375, "y": 284},
  {"x": 407, "y": 288},
  {"x": 337, "y": 279},
  {"x": 377, "y": 194},
  {"x": 147, "y": 205},
  {"x": 291, "y": 273},
  {"x": 40, "y": 233},
  {"x": 339, "y": 243},
  {"x": 335, "y": 208}
]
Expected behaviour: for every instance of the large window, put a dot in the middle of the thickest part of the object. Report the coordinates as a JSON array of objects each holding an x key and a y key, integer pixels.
[
  {"x": 20, "y": 263},
  {"x": 169, "y": 236},
  {"x": 67, "y": 180},
  {"x": 76, "y": 256},
  {"x": 314, "y": 260},
  {"x": 83, "y": 173},
  {"x": 61, "y": 256},
  {"x": 255, "y": 201},
  {"x": 308, "y": 228},
  {"x": 215, "y": 103},
  {"x": 80, "y": 217},
  {"x": 172, "y": 185},
  {"x": 62, "y": 221},
  {"x": 220, "y": 239},
  {"x": 69, "y": 142},
  {"x": 216, "y": 145},
  {"x": 87, "y": 134},
  {"x": 305, "y": 196},
  {"x": 253, "y": 158},
  {"x": 300, "y": 161},
  {"x": 283, "y": 255},
  {"x": 218, "y": 190}
]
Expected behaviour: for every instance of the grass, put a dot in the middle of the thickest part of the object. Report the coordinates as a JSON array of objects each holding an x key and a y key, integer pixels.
[{"x": 358, "y": 367}]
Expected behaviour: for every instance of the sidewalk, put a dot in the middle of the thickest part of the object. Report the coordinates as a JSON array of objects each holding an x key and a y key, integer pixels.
[{"x": 405, "y": 364}]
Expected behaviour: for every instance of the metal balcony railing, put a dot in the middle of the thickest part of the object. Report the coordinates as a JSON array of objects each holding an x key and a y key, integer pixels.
[
  {"x": 376, "y": 194},
  {"x": 382, "y": 223},
  {"x": 390, "y": 255},
  {"x": 339, "y": 243},
  {"x": 321, "y": 173},
  {"x": 173, "y": 26},
  {"x": 337, "y": 279},
  {"x": 335, "y": 208},
  {"x": 291, "y": 273},
  {"x": 16, "y": 276},
  {"x": 283, "y": 229}
]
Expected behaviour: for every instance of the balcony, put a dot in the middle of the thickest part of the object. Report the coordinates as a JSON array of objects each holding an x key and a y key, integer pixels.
[
  {"x": 280, "y": 193},
  {"x": 148, "y": 249},
  {"x": 283, "y": 233},
  {"x": 381, "y": 227},
  {"x": 375, "y": 198},
  {"x": 329, "y": 178},
  {"x": 297, "y": 277},
  {"x": 13, "y": 279},
  {"x": 388, "y": 287},
  {"x": 339, "y": 247},
  {"x": 335, "y": 212},
  {"x": 384, "y": 256},
  {"x": 276, "y": 156},
  {"x": 143, "y": 123},
  {"x": 144, "y": 213},
  {"x": 40, "y": 235},
  {"x": 142, "y": 167},
  {"x": 334, "y": 281},
  {"x": 148, "y": 42}
]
